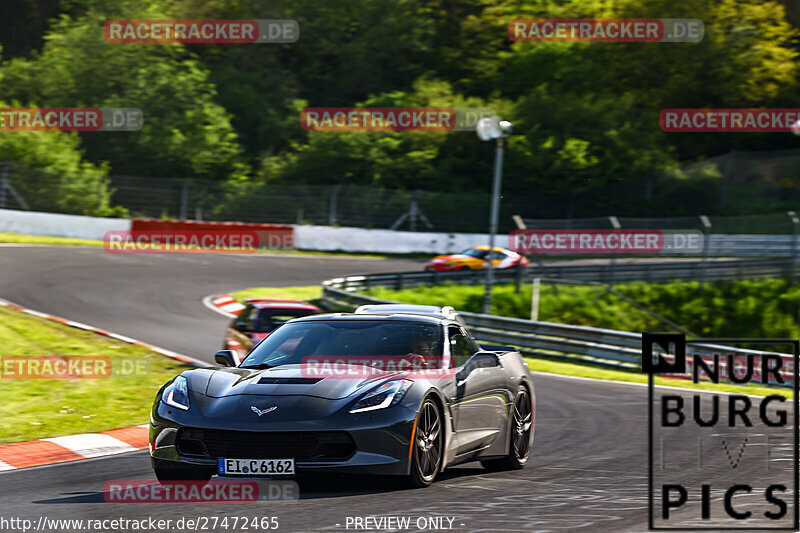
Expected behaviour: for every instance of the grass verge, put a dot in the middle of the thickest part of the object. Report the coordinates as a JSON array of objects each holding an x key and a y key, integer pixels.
[
  {"x": 40, "y": 408},
  {"x": 552, "y": 365},
  {"x": 309, "y": 293},
  {"x": 21, "y": 238}
]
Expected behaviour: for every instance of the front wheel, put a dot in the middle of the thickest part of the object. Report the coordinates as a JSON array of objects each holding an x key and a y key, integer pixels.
[
  {"x": 522, "y": 424},
  {"x": 171, "y": 471},
  {"x": 427, "y": 446}
]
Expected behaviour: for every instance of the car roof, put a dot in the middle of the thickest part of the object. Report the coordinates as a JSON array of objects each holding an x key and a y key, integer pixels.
[
  {"x": 388, "y": 318},
  {"x": 496, "y": 248},
  {"x": 274, "y": 300},
  {"x": 283, "y": 305},
  {"x": 409, "y": 309}
]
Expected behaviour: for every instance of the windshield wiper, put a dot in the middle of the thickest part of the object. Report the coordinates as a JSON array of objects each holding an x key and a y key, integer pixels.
[{"x": 259, "y": 366}]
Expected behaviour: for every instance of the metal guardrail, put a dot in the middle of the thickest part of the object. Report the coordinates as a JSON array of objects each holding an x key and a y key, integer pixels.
[
  {"x": 605, "y": 272},
  {"x": 597, "y": 345}
]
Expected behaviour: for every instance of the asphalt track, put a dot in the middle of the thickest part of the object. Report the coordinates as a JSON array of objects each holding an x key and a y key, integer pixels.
[{"x": 589, "y": 465}]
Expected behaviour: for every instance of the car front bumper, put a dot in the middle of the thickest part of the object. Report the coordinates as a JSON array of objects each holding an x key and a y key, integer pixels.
[{"x": 381, "y": 439}]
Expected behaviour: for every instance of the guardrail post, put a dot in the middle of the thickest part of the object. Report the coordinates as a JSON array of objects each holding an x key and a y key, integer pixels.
[
  {"x": 435, "y": 274},
  {"x": 399, "y": 284},
  {"x": 518, "y": 278},
  {"x": 535, "y": 300},
  {"x": 793, "y": 258}
]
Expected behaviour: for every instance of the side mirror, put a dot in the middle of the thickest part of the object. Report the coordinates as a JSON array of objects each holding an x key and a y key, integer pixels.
[
  {"x": 478, "y": 360},
  {"x": 226, "y": 357},
  {"x": 484, "y": 360}
]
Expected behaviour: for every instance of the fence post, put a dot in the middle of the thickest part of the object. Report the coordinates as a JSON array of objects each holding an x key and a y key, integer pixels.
[
  {"x": 3, "y": 186},
  {"x": 726, "y": 176},
  {"x": 332, "y": 205},
  {"x": 793, "y": 259},
  {"x": 616, "y": 225},
  {"x": 184, "y": 209}
]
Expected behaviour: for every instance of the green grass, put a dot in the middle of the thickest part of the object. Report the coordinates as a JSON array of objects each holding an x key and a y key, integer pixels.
[
  {"x": 21, "y": 238},
  {"x": 595, "y": 371},
  {"x": 310, "y": 293},
  {"x": 40, "y": 408},
  {"x": 750, "y": 308}
]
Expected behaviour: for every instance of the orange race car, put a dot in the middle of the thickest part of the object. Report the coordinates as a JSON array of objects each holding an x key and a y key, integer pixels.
[{"x": 475, "y": 258}]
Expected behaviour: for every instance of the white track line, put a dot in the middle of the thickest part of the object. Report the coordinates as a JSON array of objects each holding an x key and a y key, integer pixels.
[{"x": 637, "y": 384}]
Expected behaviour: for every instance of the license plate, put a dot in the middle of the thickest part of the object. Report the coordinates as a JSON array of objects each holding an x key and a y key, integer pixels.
[{"x": 256, "y": 467}]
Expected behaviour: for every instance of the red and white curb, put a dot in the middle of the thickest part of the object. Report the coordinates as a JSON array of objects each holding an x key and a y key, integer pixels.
[
  {"x": 88, "y": 445},
  {"x": 223, "y": 304},
  {"x": 73, "y": 447}
]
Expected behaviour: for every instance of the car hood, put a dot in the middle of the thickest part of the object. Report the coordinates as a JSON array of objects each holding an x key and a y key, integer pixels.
[{"x": 289, "y": 380}]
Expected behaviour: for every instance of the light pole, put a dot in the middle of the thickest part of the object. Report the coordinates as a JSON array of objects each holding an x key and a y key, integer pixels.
[{"x": 492, "y": 128}]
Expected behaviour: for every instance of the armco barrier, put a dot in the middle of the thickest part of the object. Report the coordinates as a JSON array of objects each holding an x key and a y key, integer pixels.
[
  {"x": 604, "y": 272},
  {"x": 59, "y": 225},
  {"x": 270, "y": 235},
  {"x": 597, "y": 345}
]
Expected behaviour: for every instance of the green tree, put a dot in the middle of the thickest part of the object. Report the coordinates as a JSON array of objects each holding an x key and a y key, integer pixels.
[{"x": 185, "y": 133}]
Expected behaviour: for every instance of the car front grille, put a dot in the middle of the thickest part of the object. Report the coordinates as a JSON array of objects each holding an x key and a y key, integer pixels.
[{"x": 301, "y": 445}]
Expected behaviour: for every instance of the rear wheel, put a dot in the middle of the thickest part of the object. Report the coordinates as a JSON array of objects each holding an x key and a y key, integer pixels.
[
  {"x": 522, "y": 423},
  {"x": 426, "y": 455},
  {"x": 171, "y": 471}
]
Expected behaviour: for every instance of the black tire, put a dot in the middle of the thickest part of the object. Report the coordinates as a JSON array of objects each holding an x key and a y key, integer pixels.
[
  {"x": 522, "y": 420},
  {"x": 171, "y": 471},
  {"x": 428, "y": 446}
]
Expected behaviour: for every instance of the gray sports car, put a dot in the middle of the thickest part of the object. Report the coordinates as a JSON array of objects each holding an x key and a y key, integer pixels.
[{"x": 388, "y": 390}]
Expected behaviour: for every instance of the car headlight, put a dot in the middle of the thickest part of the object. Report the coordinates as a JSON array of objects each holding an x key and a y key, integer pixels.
[
  {"x": 177, "y": 394},
  {"x": 383, "y": 396}
]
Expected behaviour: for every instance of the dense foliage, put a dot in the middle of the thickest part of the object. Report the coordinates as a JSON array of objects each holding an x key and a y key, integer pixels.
[{"x": 586, "y": 114}]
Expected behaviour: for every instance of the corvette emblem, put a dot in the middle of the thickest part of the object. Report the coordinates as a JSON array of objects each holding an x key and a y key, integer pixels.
[{"x": 259, "y": 412}]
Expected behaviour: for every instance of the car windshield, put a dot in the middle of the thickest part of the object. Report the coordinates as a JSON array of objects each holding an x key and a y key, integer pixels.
[
  {"x": 293, "y": 342},
  {"x": 475, "y": 252},
  {"x": 269, "y": 319}
]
